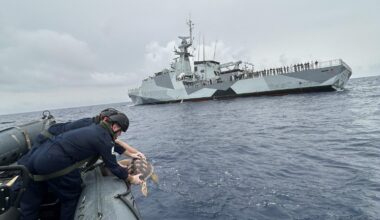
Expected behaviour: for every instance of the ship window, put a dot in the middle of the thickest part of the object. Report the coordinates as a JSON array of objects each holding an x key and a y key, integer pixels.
[
  {"x": 202, "y": 71},
  {"x": 195, "y": 68}
]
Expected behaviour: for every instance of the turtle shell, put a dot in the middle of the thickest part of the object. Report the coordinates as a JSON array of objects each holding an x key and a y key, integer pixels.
[
  {"x": 139, "y": 166},
  {"x": 143, "y": 167}
]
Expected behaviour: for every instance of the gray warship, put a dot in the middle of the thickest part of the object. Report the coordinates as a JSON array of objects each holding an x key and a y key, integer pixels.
[{"x": 208, "y": 79}]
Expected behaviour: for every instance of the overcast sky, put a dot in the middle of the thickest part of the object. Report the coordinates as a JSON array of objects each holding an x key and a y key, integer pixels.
[{"x": 57, "y": 54}]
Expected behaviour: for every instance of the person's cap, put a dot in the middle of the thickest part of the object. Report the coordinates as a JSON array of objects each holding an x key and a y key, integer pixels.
[
  {"x": 108, "y": 112},
  {"x": 121, "y": 119}
]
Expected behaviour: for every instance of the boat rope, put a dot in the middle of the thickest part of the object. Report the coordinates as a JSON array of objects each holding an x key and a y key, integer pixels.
[
  {"x": 127, "y": 202},
  {"x": 99, "y": 198},
  {"x": 26, "y": 136}
]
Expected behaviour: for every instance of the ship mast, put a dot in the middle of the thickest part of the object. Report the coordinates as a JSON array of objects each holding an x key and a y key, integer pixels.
[
  {"x": 183, "y": 65},
  {"x": 191, "y": 25}
]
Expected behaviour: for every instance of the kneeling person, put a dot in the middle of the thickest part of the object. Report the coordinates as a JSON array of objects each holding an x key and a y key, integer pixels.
[{"x": 64, "y": 151}]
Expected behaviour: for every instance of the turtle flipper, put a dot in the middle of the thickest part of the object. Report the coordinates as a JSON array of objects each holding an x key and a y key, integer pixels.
[
  {"x": 144, "y": 189},
  {"x": 154, "y": 178}
]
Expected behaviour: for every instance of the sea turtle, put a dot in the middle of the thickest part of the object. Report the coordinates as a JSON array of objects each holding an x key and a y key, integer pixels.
[{"x": 143, "y": 167}]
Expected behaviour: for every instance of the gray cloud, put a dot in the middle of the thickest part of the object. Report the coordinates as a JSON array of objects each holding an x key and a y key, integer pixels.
[
  {"x": 69, "y": 53},
  {"x": 41, "y": 59}
]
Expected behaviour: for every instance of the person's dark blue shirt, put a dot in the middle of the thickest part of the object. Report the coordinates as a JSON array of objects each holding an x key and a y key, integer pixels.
[
  {"x": 60, "y": 128},
  {"x": 92, "y": 140}
]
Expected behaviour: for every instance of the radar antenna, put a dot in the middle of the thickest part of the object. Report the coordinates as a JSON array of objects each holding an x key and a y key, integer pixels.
[{"x": 191, "y": 25}]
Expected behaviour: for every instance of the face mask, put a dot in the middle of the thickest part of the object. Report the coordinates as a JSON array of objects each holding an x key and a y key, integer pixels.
[{"x": 108, "y": 127}]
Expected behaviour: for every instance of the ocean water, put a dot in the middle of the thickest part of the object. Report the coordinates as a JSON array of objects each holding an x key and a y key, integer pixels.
[{"x": 302, "y": 156}]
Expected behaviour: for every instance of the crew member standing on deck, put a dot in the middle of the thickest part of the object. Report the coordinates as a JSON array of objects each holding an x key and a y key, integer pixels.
[{"x": 65, "y": 150}]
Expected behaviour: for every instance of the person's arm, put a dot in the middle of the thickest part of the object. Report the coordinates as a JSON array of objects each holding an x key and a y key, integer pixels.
[
  {"x": 134, "y": 179},
  {"x": 60, "y": 128},
  {"x": 130, "y": 151},
  {"x": 109, "y": 160}
]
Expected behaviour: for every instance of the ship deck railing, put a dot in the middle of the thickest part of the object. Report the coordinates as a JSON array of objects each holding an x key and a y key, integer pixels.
[
  {"x": 293, "y": 68},
  {"x": 246, "y": 74},
  {"x": 331, "y": 63},
  {"x": 133, "y": 90}
]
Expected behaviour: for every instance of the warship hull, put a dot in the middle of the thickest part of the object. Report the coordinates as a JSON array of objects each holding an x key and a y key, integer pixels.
[{"x": 327, "y": 76}]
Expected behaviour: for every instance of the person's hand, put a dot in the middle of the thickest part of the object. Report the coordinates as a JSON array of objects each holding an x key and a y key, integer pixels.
[
  {"x": 122, "y": 165},
  {"x": 135, "y": 179},
  {"x": 138, "y": 155}
]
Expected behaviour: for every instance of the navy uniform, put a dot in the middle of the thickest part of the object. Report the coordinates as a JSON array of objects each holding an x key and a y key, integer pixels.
[
  {"x": 61, "y": 152},
  {"x": 60, "y": 128},
  {"x": 55, "y": 130}
]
